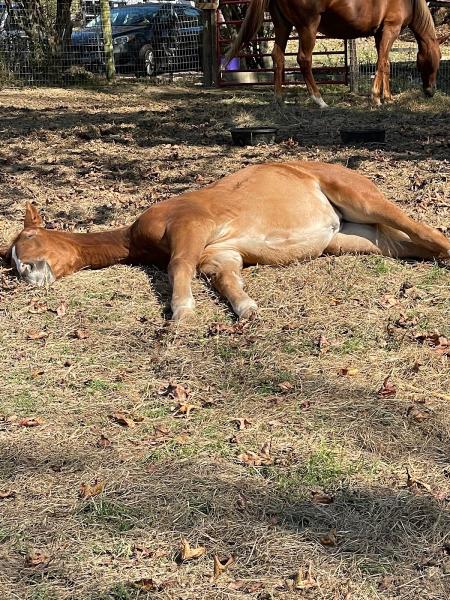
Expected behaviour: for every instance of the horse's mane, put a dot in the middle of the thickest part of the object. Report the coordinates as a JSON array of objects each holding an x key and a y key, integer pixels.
[{"x": 422, "y": 22}]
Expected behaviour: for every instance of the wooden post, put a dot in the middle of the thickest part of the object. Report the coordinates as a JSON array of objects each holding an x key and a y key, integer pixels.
[
  {"x": 107, "y": 39},
  {"x": 354, "y": 67},
  {"x": 210, "y": 66}
]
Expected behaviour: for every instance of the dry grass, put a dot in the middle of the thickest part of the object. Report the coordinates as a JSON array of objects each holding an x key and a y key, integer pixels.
[{"x": 97, "y": 158}]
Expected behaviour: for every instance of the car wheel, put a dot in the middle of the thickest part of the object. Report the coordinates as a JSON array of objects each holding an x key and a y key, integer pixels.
[{"x": 147, "y": 61}]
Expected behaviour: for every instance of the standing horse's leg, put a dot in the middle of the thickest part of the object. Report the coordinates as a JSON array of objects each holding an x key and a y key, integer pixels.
[
  {"x": 306, "y": 45},
  {"x": 381, "y": 84},
  {"x": 282, "y": 32}
]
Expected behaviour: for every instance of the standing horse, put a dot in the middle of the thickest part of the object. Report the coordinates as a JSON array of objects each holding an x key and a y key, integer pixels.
[
  {"x": 345, "y": 19},
  {"x": 269, "y": 214}
]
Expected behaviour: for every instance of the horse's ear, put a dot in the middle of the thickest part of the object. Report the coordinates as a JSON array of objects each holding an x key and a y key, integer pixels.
[{"x": 32, "y": 216}]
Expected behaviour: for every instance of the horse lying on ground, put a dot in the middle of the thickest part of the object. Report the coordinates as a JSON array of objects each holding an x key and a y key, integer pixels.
[
  {"x": 344, "y": 19},
  {"x": 269, "y": 214}
]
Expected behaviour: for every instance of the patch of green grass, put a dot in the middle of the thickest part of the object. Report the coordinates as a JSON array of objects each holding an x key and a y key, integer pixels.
[
  {"x": 171, "y": 450},
  {"x": 119, "y": 592},
  {"x": 24, "y": 402},
  {"x": 113, "y": 514},
  {"x": 351, "y": 345},
  {"x": 434, "y": 275},
  {"x": 379, "y": 265},
  {"x": 156, "y": 410},
  {"x": 42, "y": 592}
]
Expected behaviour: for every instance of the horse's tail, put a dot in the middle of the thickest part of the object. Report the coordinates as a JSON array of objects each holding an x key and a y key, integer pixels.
[
  {"x": 422, "y": 21},
  {"x": 250, "y": 25}
]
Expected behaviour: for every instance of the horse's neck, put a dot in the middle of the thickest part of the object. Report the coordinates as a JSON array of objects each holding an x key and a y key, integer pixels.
[
  {"x": 422, "y": 24},
  {"x": 102, "y": 249}
]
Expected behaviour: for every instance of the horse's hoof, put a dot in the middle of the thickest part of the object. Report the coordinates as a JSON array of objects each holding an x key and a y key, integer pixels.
[
  {"x": 319, "y": 101},
  {"x": 182, "y": 315},
  {"x": 430, "y": 91}
]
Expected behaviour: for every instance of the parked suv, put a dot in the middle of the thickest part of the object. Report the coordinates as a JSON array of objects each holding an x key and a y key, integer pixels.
[{"x": 147, "y": 39}]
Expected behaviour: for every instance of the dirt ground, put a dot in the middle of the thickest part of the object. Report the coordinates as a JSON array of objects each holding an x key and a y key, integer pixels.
[{"x": 320, "y": 480}]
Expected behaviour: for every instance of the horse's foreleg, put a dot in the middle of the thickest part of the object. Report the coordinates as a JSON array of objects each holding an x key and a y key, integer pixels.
[
  {"x": 224, "y": 267},
  {"x": 186, "y": 247},
  {"x": 282, "y": 33},
  {"x": 306, "y": 45},
  {"x": 381, "y": 84}
]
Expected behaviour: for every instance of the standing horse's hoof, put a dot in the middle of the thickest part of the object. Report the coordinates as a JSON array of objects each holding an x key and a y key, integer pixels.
[
  {"x": 319, "y": 101},
  {"x": 430, "y": 91}
]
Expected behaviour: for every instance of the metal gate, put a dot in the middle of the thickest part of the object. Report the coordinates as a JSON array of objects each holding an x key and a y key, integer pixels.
[{"x": 254, "y": 65}]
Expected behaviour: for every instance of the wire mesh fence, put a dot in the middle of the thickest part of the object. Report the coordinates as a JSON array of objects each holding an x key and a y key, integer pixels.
[
  {"x": 404, "y": 72},
  {"x": 48, "y": 42}
]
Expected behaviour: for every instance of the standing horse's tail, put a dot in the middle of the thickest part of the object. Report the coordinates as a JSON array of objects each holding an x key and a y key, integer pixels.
[
  {"x": 250, "y": 25},
  {"x": 422, "y": 21}
]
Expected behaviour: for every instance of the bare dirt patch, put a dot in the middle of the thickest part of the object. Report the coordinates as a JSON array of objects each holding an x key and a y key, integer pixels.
[{"x": 298, "y": 459}]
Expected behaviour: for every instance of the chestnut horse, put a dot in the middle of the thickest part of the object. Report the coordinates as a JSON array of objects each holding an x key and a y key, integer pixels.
[
  {"x": 270, "y": 214},
  {"x": 344, "y": 19}
]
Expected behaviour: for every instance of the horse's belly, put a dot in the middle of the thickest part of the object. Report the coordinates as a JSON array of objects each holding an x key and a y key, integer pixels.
[
  {"x": 361, "y": 21},
  {"x": 280, "y": 247}
]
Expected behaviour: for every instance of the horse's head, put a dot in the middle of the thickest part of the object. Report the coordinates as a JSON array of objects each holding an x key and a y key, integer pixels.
[
  {"x": 38, "y": 255},
  {"x": 428, "y": 59}
]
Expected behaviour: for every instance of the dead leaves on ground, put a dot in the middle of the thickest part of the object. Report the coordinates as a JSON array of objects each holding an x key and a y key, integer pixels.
[
  {"x": 7, "y": 494},
  {"x": 221, "y": 566},
  {"x": 330, "y": 538},
  {"x": 301, "y": 580},
  {"x": 188, "y": 553},
  {"x": 253, "y": 459},
  {"x": 388, "y": 389},
  {"x": 437, "y": 342},
  {"x": 37, "y": 334},
  {"x": 37, "y": 558},
  {"x": 30, "y": 422},
  {"x": 88, "y": 490},
  {"x": 348, "y": 372},
  {"x": 126, "y": 419}
]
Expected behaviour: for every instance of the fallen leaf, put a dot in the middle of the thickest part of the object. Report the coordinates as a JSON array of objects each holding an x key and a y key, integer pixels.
[
  {"x": 188, "y": 553},
  {"x": 348, "y": 372},
  {"x": 386, "y": 582},
  {"x": 221, "y": 566},
  {"x": 5, "y": 494},
  {"x": 253, "y": 459},
  {"x": 404, "y": 322},
  {"x": 330, "y": 538},
  {"x": 182, "y": 438},
  {"x": 81, "y": 334},
  {"x": 388, "y": 301},
  {"x": 227, "y": 329},
  {"x": 265, "y": 450},
  {"x": 418, "y": 414},
  {"x": 184, "y": 409},
  {"x": 388, "y": 389},
  {"x": 248, "y": 587},
  {"x": 416, "y": 484},
  {"x": 35, "y": 334},
  {"x": 176, "y": 391},
  {"x": 123, "y": 419},
  {"x": 286, "y": 387},
  {"x": 241, "y": 502},
  {"x": 37, "y": 373},
  {"x": 147, "y": 584},
  {"x": 323, "y": 344},
  {"x": 35, "y": 558},
  {"x": 321, "y": 498},
  {"x": 104, "y": 442},
  {"x": 88, "y": 491},
  {"x": 37, "y": 306},
  {"x": 242, "y": 423},
  {"x": 439, "y": 343},
  {"x": 30, "y": 422},
  {"x": 304, "y": 581},
  {"x": 61, "y": 309}
]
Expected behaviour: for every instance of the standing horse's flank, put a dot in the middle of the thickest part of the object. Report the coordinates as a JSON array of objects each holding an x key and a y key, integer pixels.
[{"x": 344, "y": 19}]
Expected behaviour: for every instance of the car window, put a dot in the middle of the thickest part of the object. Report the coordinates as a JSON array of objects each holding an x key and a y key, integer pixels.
[
  {"x": 191, "y": 12},
  {"x": 122, "y": 17}
]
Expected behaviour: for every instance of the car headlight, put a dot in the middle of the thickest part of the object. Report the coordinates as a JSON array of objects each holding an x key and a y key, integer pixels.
[{"x": 121, "y": 40}]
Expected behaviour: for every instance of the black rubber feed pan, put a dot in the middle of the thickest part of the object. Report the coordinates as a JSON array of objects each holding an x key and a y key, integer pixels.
[
  {"x": 362, "y": 136},
  {"x": 252, "y": 136}
]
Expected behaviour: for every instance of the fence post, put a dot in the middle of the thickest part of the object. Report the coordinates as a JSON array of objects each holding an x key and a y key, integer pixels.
[
  {"x": 210, "y": 65},
  {"x": 107, "y": 39},
  {"x": 354, "y": 67}
]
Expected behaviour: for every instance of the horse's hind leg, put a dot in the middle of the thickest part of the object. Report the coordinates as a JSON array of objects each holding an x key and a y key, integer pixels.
[
  {"x": 307, "y": 42},
  {"x": 357, "y": 238},
  {"x": 282, "y": 33},
  {"x": 224, "y": 267},
  {"x": 381, "y": 84}
]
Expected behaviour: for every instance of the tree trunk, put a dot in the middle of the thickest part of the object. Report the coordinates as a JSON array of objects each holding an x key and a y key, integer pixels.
[{"x": 107, "y": 39}]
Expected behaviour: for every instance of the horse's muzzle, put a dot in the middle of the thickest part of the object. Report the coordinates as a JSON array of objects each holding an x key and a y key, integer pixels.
[{"x": 36, "y": 272}]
